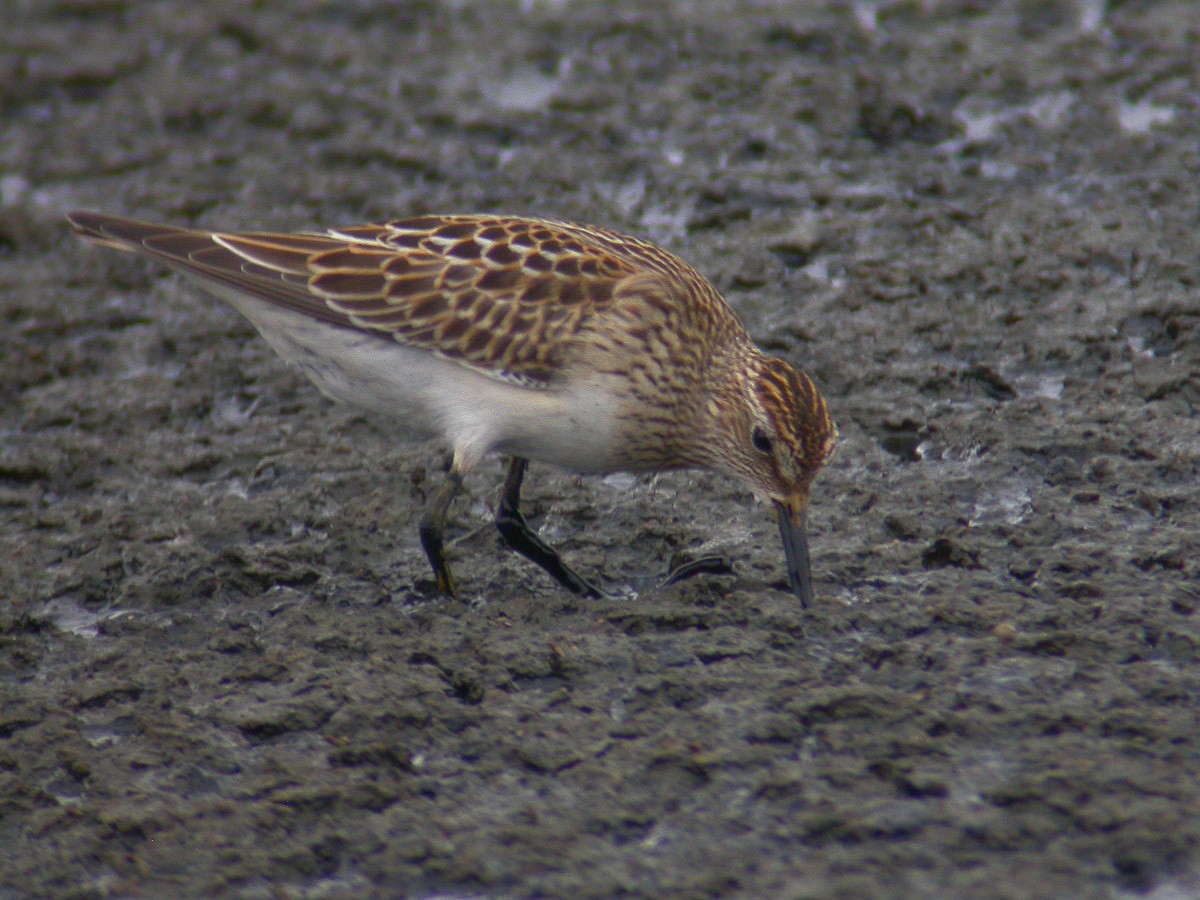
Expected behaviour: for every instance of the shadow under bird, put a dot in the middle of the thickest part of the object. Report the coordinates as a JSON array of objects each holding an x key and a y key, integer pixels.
[{"x": 566, "y": 344}]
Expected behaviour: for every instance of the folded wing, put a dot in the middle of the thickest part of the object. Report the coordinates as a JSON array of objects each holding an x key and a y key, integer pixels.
[{"x": 501, "y": 295}]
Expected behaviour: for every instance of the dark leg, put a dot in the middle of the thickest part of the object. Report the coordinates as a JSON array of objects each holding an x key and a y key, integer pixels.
[
  {"x": 433, "y": 523},
  {"x": 520, "y": 537}
]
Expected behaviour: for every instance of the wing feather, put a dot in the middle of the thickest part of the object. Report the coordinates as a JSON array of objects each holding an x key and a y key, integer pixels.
[{"x": 506, "y": 296}]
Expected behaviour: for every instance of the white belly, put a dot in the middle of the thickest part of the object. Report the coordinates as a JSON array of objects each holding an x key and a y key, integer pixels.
[{"x": 570, "y": 426}]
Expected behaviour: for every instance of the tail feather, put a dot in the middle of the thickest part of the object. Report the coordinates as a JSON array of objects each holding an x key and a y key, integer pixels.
[
  {"x": 200, "y": 255},
  {"x": 118, "y": 232}
]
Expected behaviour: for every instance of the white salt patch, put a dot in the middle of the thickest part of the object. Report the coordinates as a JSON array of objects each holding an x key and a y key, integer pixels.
[
  {"x": 1032, "y": 384},
  {"x": 616, "y": 711},
  {"x": 231, "y": 412},
  {"x": 165, "y": 371},
  {"x": 818, "y": 270},
  {"x": 526, "y": 92},
  {"x": 978, "y": 128},
  {"x": 866, "y": 14},
  {"x": 1049, "y": 386},
  {"x": 100, "y": 735},
  {"x": 998, "y": 170},
  {"x": 68, "y": 616},
  {"x": 1091, "y": 16},
  {"x": 868, "y": 190},
  {"x": 1007, "y": 505},
  {"x": 1050, "y": 110},
  {"x": 628, "y": 195},
  {"x": 1138, "y": 118},
  {"x": 622, "y": 481},
  {"x": 234, "y": 487},
  {"x": 665, "y": 221},
  {"x": 13, "y": 189}
]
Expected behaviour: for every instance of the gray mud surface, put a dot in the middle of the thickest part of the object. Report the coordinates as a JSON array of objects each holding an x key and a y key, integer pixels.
[{"x": 976, "y": 226}]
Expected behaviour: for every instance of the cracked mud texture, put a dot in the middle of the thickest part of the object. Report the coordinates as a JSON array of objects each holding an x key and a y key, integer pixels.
[{"x": 974, "y": 224}]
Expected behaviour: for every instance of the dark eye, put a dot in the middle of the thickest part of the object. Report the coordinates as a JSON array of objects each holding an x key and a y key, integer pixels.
[{"x": 761, "y": 440}]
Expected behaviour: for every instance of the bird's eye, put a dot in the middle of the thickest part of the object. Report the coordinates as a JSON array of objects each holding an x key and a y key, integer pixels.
[{"x": 760, "y": 439}]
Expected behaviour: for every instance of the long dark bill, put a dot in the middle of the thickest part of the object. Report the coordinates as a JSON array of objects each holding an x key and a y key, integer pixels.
[{"x": 795, "y": 549}]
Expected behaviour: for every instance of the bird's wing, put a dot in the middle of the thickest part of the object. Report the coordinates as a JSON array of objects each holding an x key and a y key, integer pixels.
[{"x": 502, "y": 295}]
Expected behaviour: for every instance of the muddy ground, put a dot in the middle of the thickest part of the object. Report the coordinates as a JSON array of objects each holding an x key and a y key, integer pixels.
[{"x": 975, "y": 225}]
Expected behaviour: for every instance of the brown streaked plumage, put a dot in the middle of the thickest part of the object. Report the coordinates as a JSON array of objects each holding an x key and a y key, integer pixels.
[{"x": 567, "y": 344}]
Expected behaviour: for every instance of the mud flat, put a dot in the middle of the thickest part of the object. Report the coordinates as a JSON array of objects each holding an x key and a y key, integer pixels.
[{"x": 974, "y": 224}]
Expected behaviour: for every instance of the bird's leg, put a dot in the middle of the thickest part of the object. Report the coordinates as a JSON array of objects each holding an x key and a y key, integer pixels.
[
  {"x": 520, "y": 537},
  {"x": 433, "y": 523}
]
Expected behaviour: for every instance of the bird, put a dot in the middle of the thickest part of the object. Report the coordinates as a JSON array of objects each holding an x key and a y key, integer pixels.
[{"x": 536, "y": 340}]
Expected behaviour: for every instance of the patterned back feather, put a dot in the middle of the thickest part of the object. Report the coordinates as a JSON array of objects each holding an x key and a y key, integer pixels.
[{"x": 506, "y": 296}]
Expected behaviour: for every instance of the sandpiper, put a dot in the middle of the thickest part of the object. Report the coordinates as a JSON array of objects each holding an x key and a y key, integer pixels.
[{"x": 566, "y": 344}]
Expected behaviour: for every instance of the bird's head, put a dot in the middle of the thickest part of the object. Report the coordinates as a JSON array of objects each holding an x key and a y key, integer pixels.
[{"x": 775, "y": 437}]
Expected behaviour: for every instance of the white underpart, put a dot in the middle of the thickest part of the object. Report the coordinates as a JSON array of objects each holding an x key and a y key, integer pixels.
[{"x": 570, "y": 426}]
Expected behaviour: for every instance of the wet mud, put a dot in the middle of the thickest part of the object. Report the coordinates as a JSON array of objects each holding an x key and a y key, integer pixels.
[{"x": 975, "y": 226}]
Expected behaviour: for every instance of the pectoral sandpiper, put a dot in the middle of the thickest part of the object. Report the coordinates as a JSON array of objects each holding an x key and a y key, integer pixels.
[{"x": 565, "y": 344}]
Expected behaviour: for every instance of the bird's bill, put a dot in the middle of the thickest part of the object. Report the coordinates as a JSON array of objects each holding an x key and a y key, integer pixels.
[{"x": 793, "y": 530}]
